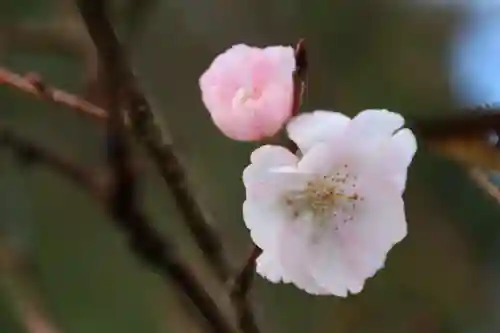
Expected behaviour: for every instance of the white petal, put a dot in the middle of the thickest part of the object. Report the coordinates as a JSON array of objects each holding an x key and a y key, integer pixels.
[
  {"x": 294, "y": 255},
  {"x": 260, "y": 178},
  {"x": 404, "y": 146},
  {"x": 265, "y": 210},
  {"x": 268, "y": 267},
  {"x": 401, "y": 150},
  {"x": 319, "y": 126},
  {"x": 354, "y": 251},
  {"x": 380, "y": 220},
  {"x": 264, "y": 158},
  {"x": 269, "y": 184},
  {"x": 394, "y": 157},
  {"x": 265, "y": 220},
  {"x": 327, "y": 266},
  {"x": 370, "y": 124},
  {"x": 322, "y": 158},
  {"x": 269, "y": 156},
  {"x": 270, "y": 175},
  {"x": 377, "y": 122},
  {"x": 362, "y": 259}
]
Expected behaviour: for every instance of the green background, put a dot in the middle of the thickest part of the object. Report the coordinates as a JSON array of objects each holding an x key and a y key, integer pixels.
[{"x": 443, "y": 277}]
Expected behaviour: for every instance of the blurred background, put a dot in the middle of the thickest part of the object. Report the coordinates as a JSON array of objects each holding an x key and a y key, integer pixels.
[{"x": 60, "y": 255}]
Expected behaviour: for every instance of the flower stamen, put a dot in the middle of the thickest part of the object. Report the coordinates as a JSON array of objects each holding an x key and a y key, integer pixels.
[{"x": 327, "y": 196}]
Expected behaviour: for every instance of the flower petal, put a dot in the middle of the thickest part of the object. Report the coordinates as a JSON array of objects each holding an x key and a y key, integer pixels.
[
  {"x": 266, "y": 179},
  {"x": 327, "y": 265},
  {"x": 402, "y": 148},
  {"x": 264, "y": 158},
  {"x": 272, "y": 156},
  {"x": 265, "y": 220},
  {"x": 380, "y": 220},
  {"x": 294, "y": 254},
  {"x": 248, "y": 91},
  {"x": 318, "y": 126},
  {"x": 394, "y": 157},
  {"x": 370, "y": 124},
  {"x": 269, "y": 268},
  {"x": 283, "y": 57},
  {"x": 353, "y": 250}
]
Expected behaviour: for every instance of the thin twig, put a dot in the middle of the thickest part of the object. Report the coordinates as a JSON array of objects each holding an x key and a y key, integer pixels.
[
  {"x": 30, "y": 152},
  {"x": 299, "y": 75},
  {"x": 162, "y": 153},
  {"x": 17, "y": 278},
  {"x": 239, "y": 292},
  {"x": 460, "y": 123},
  {"x": 481, "y": 179},
  {"x": 144, "y": 240},
  {"x": 32, "y": 84}
]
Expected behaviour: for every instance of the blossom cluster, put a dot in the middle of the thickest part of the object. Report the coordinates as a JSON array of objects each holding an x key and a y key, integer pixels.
[{"x": 326, "y": 215}]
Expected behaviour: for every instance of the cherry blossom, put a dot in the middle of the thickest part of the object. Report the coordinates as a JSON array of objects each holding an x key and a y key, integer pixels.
[
  {"x": 248, "y": 91},
  {"x": 326, "y": 220}
]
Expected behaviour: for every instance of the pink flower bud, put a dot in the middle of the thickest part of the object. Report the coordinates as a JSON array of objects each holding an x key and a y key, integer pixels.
[{"x": 248, "y": 91}]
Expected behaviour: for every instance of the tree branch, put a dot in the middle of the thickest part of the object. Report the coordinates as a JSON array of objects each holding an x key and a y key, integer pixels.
[
  {"x": 33, "y": 85},
  {"x": 162, "y": 154},
  {"x": 461, "y": 124},
  {"x": 19, "y": 285},
  {"x": 30, "y": 152},
  {"x": 144, "y": 240},
  {"x": 123, "y": 201}
]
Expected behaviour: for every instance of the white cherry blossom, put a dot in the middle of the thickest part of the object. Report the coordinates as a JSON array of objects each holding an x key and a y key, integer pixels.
[{"x": 327, "y": 220}]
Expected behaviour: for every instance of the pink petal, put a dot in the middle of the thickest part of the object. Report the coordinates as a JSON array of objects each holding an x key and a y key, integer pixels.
[{"x": 248, "y": 91}]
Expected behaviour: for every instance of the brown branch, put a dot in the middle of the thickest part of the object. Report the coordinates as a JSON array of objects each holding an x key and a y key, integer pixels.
[
  {"x": 163, "y": 155},
  {"x": 144, "y": 240},
  {"x": 299, "y": 75},
  {"x": 19, "y": 285},
  {"x": 463, "y": 124},
  {"x": 239, "y": 290},
  {"x": 30, "y": 152},
  {"x": 482, "y": 180},
  {"x": 33, "y": 85}
]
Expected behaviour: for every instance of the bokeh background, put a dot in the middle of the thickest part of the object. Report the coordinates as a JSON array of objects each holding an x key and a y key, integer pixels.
[{"x": 414, "y": 57}]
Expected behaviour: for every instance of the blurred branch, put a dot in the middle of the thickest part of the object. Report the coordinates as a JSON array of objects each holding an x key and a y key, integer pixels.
[
  {"x": 482, "y": 180},
  {"x": 32, "y": 84},
  {"x": 466, "y": 136},
  {"x": 123, "y": 203},
  {"x": 144, "y": 240},
  {"x": 461, "y": 124},
  {"x": 240, "y": 289},
  {"x": 30, "y": 152},
  {"x": 17, "y": 276},
  {"x": 149, "y": 134}
]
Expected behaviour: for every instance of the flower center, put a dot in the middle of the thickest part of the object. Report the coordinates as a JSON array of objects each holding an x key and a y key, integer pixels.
[
  {"x": 246, "y": 95},
  {"x": 327, "y": 196}
]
